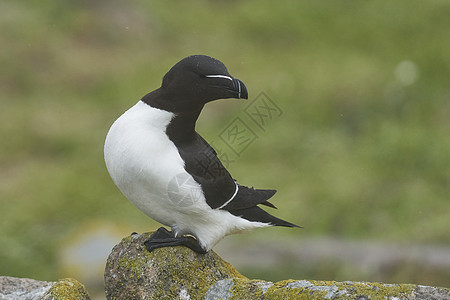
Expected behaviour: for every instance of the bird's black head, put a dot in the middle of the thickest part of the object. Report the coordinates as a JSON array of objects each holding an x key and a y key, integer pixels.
[{"x": 195, "y": 81}]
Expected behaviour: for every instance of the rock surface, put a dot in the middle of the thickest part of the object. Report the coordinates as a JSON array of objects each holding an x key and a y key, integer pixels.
[
  {"x": 168, "y": 273},
  {"x": 12, "y": 288},
  {"x": 179, "y": 273}
]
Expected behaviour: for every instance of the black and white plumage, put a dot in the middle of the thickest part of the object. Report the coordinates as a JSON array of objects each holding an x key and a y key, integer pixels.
[{"x": 155, "y": 142}]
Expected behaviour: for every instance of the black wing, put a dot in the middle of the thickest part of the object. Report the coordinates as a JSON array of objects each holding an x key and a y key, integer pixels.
[{"x": 218, "y": 186}]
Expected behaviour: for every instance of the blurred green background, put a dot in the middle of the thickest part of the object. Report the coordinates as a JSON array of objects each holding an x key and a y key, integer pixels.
[{"x": 360, "y": 153}]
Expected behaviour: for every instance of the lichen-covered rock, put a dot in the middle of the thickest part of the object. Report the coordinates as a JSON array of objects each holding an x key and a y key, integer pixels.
[
  {"x": 179, "y": 273},
  {"x": 67, "y": 288},
  {"x": 312, "y": 289},
  {"x": 166, "y": 273},
  {"x": 12, "y": 288}
]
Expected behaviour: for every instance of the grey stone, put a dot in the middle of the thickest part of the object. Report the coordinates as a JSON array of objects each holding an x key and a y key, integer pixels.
[
  {"x": 431, "y": 293},
  {"x": 12, "y": 288},
  {"x": 22, "y": 288},
  {"x": 220, "y": 290}
]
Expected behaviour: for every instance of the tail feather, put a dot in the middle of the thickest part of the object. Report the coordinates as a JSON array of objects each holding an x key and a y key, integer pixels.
[
  {"x": 256, "y": 214},
  {"x": 267, "y": 203}
]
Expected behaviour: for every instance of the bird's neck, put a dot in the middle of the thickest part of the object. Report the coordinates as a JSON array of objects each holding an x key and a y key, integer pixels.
[{"x": 181, "y": 128}]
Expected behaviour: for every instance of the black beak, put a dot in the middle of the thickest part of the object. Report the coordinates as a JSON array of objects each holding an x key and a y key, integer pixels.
[
  {"x": 231, "y": 87},
  {"x": 240, "y": 89}
]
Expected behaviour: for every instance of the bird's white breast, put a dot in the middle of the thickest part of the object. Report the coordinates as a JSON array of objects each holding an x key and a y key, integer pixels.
[{"x": 142, "y": 160}]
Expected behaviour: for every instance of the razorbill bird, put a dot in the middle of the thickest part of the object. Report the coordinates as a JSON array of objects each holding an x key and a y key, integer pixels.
[{"x": 169, "y": 172}]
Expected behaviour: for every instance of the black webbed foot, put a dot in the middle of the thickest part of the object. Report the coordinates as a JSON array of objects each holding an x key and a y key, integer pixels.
[
  {"x": 161, "y": 233},
  {"x": 164, "y": 238}
]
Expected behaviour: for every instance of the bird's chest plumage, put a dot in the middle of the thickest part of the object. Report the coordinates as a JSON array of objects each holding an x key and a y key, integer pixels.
[{"x": 143, "y": 161}]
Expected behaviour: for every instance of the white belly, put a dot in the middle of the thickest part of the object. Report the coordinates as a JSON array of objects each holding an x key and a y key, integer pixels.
[{"x": 142, "y": 160}]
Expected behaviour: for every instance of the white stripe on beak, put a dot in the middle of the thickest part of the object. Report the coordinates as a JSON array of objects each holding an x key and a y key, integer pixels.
[
  {"x": 239, "y": 94},
  {"x": 220, "y": 76}
]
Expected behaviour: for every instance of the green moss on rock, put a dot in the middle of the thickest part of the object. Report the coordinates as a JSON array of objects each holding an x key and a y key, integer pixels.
[
  {"x": 374, "y": 290},
  {"x": 67, "y": 288},
  {"x": 246, "y": 289},
  {"x": 311, "y": 289},
  {"x": 241, "y": 288}
]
